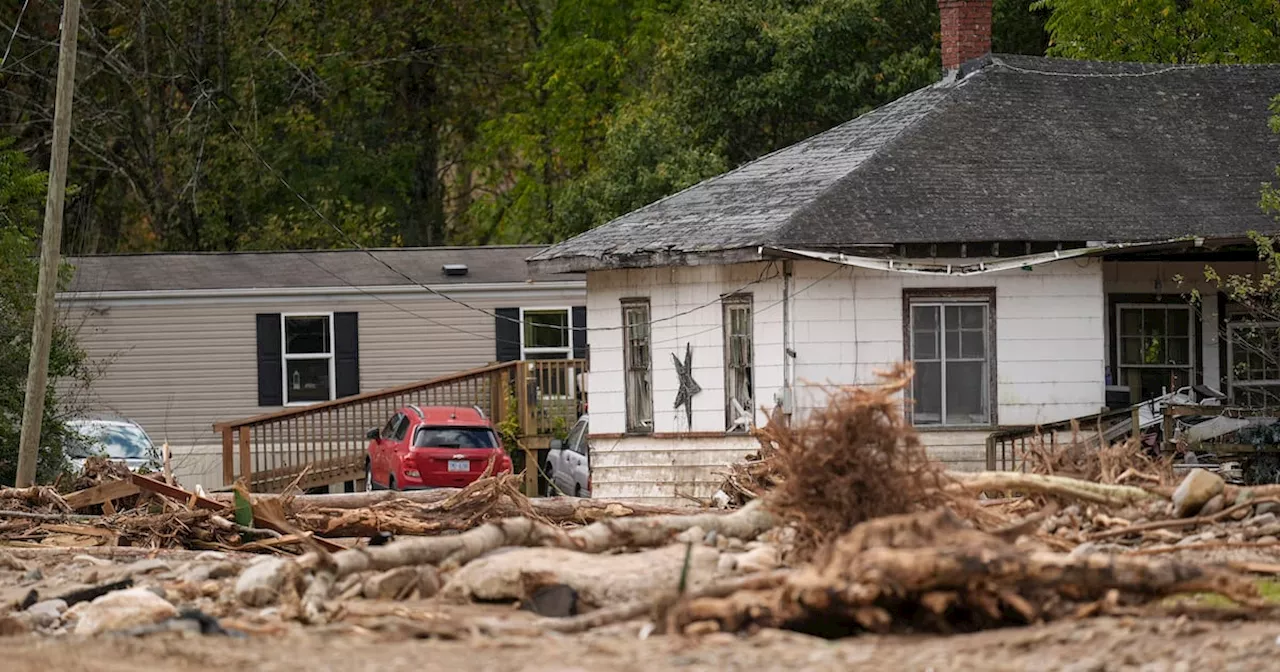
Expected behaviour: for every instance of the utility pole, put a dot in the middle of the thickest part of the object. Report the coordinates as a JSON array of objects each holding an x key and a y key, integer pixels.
[{"x": 51, "y": 241}]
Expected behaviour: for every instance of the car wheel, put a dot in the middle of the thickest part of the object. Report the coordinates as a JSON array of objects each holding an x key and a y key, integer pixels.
[{"x": 368, "y": 476}]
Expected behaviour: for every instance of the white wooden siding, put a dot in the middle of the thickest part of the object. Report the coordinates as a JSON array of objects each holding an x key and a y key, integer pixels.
[
  {"x": 177, "y": 366},
  {"x": 660, "y": 470},
  {"x": 847, "y": 324}
]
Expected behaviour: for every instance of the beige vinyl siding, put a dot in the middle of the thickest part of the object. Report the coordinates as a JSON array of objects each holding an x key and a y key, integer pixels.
[{"x": 178, "y": 365}]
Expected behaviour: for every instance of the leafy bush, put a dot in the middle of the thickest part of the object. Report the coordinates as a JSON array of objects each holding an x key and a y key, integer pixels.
[{"x": 21, "y": 197}]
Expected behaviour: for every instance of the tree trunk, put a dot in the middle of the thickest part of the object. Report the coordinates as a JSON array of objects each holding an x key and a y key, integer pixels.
[
  {"x": 423, "y": 518},
  {"x": 746, "y": 523},
  {"x": 1097, "y": 493}
]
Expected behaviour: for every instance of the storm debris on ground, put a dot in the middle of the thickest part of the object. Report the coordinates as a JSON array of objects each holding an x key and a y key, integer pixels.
[{"x": 842, "y": 525}]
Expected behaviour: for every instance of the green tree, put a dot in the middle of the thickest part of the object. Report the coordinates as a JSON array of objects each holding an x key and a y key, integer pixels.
[
  {"x": 1165, "y": 31},
  {"x": 21, "y": 197}
]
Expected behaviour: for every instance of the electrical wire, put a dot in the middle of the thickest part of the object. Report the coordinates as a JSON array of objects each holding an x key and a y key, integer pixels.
[
  {"x": 16, "y": 23},
  {"x": 355, "y": 243}
]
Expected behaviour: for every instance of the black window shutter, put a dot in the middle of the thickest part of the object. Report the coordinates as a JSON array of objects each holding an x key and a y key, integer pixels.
[
  {"x": 506, "y": 330},
  {"x": 346, "y": 354},
  {"x": 579, "y": 316},
  {"x": 270, "y": 361}
]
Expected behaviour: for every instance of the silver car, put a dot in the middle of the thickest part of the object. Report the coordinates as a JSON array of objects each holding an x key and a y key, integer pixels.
[
  {"x": 118, "y": 440},
  {"x": 568, "y": 463}
]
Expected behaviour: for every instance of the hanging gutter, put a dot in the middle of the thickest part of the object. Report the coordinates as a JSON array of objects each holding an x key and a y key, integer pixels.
[{"x": 952, "y": 269}]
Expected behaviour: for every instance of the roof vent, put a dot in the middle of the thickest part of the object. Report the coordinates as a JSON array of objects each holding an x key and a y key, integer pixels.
[{"x": 455, "y": 269}]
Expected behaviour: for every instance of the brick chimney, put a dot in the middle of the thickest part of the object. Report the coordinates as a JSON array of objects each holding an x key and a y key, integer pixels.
[{"x": 966, "y": 30}]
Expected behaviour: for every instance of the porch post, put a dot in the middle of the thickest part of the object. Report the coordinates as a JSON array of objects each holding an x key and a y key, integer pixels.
[{"x": 1211, "y": 375}]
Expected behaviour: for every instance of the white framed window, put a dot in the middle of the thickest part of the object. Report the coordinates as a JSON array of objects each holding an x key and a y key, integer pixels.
[
  {"x": 637, "y": 354},
  {"x": 1155, "y": 347},
  {"x": 950, "y": 339},
  {"x": 307, "y": 344},
  {"x": 738, "y": 364},
  {"x": 546, "y": 333},
  {"x": 1253, "y": 351}
]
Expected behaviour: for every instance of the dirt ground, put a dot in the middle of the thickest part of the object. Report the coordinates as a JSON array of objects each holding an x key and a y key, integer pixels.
[
  {"x": 387, "y": 635},
  {"x": 1100, "y": 644}
]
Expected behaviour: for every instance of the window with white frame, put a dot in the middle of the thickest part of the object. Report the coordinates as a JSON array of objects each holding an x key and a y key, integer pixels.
[
  {"x": 308, "y": 358},
  {"x": 1155, "y": 350},
  {"x": 637, "y": 346},
  {"x": 950, "y": 341},
  {"x": 548, "y": 334},
  {"x": 738, "y": 362},
  {"x": 1253, "y": 349}
]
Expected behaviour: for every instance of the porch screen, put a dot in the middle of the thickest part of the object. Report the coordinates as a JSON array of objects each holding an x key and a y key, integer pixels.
[{"x": 1155, "y": 348}]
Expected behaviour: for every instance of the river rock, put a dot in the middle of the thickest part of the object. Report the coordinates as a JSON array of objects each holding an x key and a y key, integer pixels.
[
  {"x": 262, "y": 583},
  {"x": 1197, "y": 488},
  {"x": 1214, "y": 505},
  {"x": 123, "y": 609}
]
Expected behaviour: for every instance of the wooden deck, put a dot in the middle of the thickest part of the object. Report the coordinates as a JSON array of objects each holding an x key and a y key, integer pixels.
[{"x": 324, "y": 444}]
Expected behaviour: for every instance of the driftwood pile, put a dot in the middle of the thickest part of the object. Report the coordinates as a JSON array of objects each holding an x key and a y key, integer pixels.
[{"x": 843, "y": 525}]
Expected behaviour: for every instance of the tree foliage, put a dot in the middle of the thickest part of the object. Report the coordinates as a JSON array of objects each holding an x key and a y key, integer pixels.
[
  {"x": 1165, "y": 31},
  {"x": 238, "y": 124},
  {"x": 21, "y": 197}
]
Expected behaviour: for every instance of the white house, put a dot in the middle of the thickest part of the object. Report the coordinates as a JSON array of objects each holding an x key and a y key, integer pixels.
[{"x": 1015, "y": 230}]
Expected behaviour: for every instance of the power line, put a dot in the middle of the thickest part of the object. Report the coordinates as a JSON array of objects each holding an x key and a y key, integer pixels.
[
  {"x": 16, "y": 23},
  {"x": 333, "y": 225},
  {"x": 1092, "y": 75}
]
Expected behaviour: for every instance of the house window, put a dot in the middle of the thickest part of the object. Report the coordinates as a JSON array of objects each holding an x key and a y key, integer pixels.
[
  {"x": 739, "y": 391},
  {"x": 547, "y": 334},
  {"x": 1253, "y": 349},
  {"x": 950, "y": 341},
  {"x": 308, "y": 358},
  {"x": 637, "y": 346},
  {"x": 1154, "y": 348}
]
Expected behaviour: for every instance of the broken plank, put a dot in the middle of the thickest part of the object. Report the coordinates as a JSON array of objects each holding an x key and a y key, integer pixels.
[
  {"x": 101, "y": 494},
  {"x": 177, "y": 494},
  {"x": 83, "y": 530}
]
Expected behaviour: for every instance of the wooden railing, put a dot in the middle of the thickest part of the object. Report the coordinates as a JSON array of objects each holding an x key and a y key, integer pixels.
[
  {"x": 1007, "y": 446},
  {"x": 328, "y": 440}
]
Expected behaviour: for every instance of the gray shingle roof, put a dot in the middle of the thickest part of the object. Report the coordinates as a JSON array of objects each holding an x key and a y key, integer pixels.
[
  {"x": 277, "y": 270},
  {"x": 1019, "y": 148}
]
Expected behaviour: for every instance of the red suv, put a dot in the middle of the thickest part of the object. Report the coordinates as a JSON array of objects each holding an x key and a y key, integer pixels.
[{"x": 432, "y": 447}]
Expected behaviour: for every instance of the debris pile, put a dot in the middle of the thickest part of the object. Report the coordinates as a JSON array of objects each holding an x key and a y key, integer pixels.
[
  {"x": 844, "y": 526},
  {"x": 930, "y": 572},
  {"x": 855, "y": 460}
]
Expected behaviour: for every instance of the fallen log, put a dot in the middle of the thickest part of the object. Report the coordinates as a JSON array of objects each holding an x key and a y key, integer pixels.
[
  {"x": 407, "y": 517},
  {"x": 576, "y": 509},
  {"x": 1088, "y": 491},
  {"x": 746, "y": 523}
]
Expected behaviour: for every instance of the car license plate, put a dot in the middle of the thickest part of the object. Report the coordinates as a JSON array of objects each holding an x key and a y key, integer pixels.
[{"x": 459, "y": 465}]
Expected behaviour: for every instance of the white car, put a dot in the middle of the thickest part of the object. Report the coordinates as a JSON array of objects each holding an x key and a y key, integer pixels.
[
  {"x": 568, "y": 464},
  {"x": 116, "y": 439}
]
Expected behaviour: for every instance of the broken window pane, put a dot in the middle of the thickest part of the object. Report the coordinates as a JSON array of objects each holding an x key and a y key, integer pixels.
[
  {"x": 637, "y": 346},
  {"x": 739, "y": 403}
]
